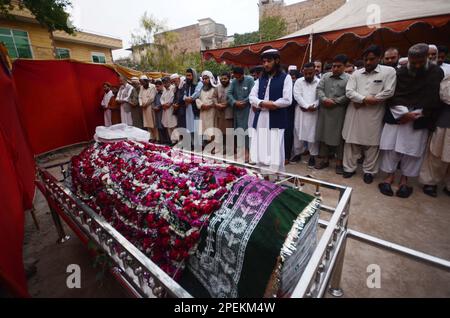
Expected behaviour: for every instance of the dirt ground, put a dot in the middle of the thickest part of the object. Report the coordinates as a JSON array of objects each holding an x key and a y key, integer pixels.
[{"x": 421, "y": 223}]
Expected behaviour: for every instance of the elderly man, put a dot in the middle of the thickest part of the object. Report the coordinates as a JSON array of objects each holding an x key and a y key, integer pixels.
[
  {"x": 270, "y": 98},
  {"x": 306, "y": 114},
  {"x": 391, "y": 57},
  {"x": 437, "y": 164},
  {"x": 333, "y": 106},
  {"x": 368, "y": 89},
  {"x": 224, "y": 112},
  {"x": 168, "y": 119},
  {"x": 433, "y": 53},
  {"x": 124, "y": 99},
  {"x": 147, "y": 95},
  {"x": 412, "y": 112},
  {"x": 136, "y": 110},
  {"x": 105, "y": 103}
]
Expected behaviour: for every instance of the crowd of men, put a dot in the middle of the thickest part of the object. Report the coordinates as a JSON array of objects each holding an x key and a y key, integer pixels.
[{"x": 383, "y": 112}]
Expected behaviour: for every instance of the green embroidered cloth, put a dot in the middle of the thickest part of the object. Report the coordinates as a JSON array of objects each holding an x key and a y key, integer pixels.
[{"x": 257, "y": 245}]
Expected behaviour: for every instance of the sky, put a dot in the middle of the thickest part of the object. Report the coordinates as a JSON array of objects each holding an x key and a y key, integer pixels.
[{"x": 119, "y": 18}]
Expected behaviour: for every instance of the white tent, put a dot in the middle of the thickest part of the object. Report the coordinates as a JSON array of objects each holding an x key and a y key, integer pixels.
[{"x": 357, "y": 13}]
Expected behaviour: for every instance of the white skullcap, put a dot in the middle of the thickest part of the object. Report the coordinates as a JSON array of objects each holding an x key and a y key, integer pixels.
[
  {"x": 174, "y": 76},
  {"x": 144, "y": 77},
  {"x": 134, "y": 79},
  {"x": 432, "y": 46},
  {"x": 292, "y": 68}
]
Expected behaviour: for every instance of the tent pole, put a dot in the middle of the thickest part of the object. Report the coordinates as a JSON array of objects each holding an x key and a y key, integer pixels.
[{"x": 311, "y": 43}]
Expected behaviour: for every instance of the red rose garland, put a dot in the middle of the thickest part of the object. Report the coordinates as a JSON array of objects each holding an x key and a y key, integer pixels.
[{"x": 157, "y": 200}]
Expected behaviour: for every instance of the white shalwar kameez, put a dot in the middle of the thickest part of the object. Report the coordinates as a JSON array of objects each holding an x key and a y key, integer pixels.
[
  {"x": 305, "y": 94},
  {"x": 105, "y": 103},
  {"x": 402, "y": 143},
  {"x": 124, "y": 96},
  {"x": 267, "y": 145}
]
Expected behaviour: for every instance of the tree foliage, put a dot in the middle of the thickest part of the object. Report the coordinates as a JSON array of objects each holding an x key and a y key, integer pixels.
[
  {"x": 51, "y": 14},
  {"x": 270, "y": 28},
  {"x": 154, "y": 44}
]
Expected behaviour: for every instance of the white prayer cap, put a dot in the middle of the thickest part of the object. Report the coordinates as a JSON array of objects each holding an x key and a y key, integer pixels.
[
  {"x": 143, "y": 78},
  {"x": 403, "y": 61},
  {"x": 271, "y": 53},
  {"x": 292, "y": 68},
  {"x": 174, "y": 76},
  {"x": 432, "y": 47},
  {"x": 134, "y": 79}
]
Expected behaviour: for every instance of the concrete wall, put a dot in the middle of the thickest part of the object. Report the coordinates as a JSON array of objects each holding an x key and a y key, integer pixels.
[
  {"x": 41, "y": 44},
  {"x": 83, "y": 52},
  {"x": 187, "y": 40}
]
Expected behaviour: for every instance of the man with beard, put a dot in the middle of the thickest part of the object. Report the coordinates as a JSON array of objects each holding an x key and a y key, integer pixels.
[
  {"x": 136, "y": 110},
  {"x": 224, "y": 112},
  {"x": 123, "y": 99},
  {"x": 147, "y": 96},
  {"x": 391, "y": 57},
  {"x": 412, "y": 112},
  {"x": 368, "y": 89},
  {"x": 188, "y": 113},
  {"x": 433, "y": 53},
  {"x": 306, "y": 114},
  {"x": 270, "y": 98}
]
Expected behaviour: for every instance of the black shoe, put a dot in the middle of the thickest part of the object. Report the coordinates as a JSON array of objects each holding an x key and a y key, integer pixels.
[
  {"x": 322, "y": 165},
  {"x": 368, "y": 178},
  {"x": 348, "y": 175},
  {"x": 340, "y": 170},
  {"x": 405, "y": 192},
  {"x": 296, "y": 159},
  {"x": 312, "y": 162},
  {"x": 446, "y": 191},
  {"x": 430, "y": 190},
  {"x": 361, "y": 160},
  {"x": 386, "y": 189}
]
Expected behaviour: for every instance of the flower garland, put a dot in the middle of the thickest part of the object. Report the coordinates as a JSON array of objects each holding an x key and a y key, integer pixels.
[{"x": 158, "y": 200}]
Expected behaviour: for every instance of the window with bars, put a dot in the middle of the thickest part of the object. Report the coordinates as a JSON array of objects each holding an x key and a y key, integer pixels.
[
  {"x": 62, "y": 53},
  {"x": 99, "y": 58},
  {"x": 17, "y": 42}
]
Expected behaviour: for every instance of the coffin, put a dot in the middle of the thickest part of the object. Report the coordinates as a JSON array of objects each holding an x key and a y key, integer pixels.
[{"x": 221, "y": 231}]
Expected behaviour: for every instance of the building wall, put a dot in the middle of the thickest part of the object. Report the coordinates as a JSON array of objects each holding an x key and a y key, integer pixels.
[
  {"x": 82, "y": 52},
  {"x": 187, "y": 40},
  {"x": 41, "y": 43},
  {"x": 302, "y": 14}
]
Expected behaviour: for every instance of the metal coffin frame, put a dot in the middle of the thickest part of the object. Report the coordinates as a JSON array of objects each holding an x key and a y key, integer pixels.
[{"x": 142, "y": 278}]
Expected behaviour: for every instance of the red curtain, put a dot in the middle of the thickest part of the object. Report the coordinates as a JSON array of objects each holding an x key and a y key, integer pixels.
[
  {"x": 60, "y": 101},
  {"x": 16, "y": 188}
]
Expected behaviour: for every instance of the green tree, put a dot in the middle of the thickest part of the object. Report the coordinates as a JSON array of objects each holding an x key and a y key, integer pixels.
[
  {"x": 51, "y": 14},
  {"x": 154, "y": 42},
  {"x": 246, "y": 38},
  {"x": 270, "y": 28}
]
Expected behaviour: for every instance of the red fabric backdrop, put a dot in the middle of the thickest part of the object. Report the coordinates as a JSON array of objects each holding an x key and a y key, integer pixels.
[
  {"x": 16, "y": 188},
  {"x": 48, "y": 105},
  {"x": 60, "y": 101}
]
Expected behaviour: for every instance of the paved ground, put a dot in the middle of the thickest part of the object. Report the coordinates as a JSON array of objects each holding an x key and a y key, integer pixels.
[{"x": 420, "y": 223}]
